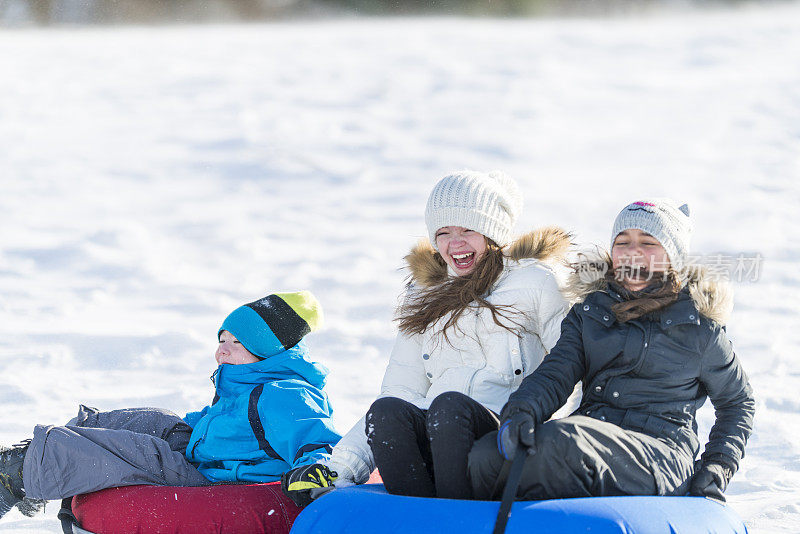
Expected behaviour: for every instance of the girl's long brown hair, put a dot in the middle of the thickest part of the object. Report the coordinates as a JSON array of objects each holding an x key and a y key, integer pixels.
[{"x": 454, "y": 295}]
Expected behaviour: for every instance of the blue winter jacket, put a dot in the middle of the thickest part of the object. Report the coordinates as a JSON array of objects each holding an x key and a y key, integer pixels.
[{"x": 266, "y": 418}]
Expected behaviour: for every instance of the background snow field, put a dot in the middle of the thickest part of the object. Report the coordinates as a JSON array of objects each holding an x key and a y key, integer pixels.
[{"x": 153, "y": 179}]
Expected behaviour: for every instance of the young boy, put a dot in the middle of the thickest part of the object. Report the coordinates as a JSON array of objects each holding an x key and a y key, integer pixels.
[
  {"x": 269, "y": 415},
  {"x": 647, "y": 340}
]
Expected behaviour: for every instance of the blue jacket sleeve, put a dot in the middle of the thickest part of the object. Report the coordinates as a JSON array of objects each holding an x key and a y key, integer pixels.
[{"x": 297, "y": 422}]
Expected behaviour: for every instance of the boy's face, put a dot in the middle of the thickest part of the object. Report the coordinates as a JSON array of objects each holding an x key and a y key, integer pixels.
[
  {"x": 638, "y": 256},
  {"x": 231, "y": 351}
]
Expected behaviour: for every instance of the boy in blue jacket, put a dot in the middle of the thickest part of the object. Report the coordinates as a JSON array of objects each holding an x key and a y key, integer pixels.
[{"x": 269, "y": 415}]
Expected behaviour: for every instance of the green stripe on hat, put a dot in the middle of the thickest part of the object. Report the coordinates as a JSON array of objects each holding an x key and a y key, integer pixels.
[{"x": 306, "y": 306}]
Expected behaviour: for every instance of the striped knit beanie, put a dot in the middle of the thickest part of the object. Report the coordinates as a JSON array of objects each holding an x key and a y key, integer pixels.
[
  {"x": 487, "y": 203},
  {"x": 274, "y": 323},
  {"x": 663, "y": 219}
]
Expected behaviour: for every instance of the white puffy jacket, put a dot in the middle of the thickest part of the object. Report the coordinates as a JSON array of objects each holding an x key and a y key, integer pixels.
[{"x": 480, "y": 359}]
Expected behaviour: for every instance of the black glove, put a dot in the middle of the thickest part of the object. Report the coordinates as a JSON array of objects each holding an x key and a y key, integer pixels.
[
  {"x": 710, "y": 480},
  {"x": 299, "y": 483},
  {"x": 515, "y": 431}
]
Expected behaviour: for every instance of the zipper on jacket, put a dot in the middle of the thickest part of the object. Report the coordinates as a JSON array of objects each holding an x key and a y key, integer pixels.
[
  {"x": 643, "y": 354},
  {"x": 196, "y": 443},
  {"x": 471, "y": 381},
  {"x": 202, "y": 438}
]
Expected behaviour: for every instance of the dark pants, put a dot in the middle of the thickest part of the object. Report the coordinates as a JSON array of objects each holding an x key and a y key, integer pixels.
[
  {"x": 423, "y": 453},
  {"x": 582, "y": 457},
  {"x": 98, "y": 450}
]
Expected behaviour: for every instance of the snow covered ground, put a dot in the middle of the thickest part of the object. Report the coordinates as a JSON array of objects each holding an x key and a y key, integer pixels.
[{"x": 151, "y": 180}]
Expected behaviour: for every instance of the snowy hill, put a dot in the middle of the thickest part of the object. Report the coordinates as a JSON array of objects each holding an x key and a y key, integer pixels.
[{"x": 154, "y": 179}]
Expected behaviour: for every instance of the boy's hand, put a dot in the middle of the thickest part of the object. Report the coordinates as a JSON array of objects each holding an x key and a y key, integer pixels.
[
  {"x": 303, "y": 483},
  {"x": 515, "y": 431}
]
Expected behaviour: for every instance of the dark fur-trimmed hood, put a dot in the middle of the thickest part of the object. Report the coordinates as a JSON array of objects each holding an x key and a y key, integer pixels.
[
  {"x": 712, "y": 296},
  {"x": 548, "y": 244}
]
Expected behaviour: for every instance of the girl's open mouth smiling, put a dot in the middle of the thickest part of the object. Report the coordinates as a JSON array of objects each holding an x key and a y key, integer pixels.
[{"x": 463, "y": 260}]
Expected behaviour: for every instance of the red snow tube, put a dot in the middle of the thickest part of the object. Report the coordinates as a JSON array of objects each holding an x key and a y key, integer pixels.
[{"x": 229, "y": 509}]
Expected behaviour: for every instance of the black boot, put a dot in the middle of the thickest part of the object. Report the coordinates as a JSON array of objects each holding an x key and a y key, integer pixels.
[{"x": 11, "y": 487}]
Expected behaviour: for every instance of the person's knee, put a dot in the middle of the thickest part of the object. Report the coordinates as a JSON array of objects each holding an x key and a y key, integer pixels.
[
  {"x": 559, "y": 450},
  {"x": 554, "y": 436},
  {"x": 484, "y": 464},
  {"x": 450, "y": 401},
  {"x": 387, "y": 413},
  {"x": 86, "y": 416},
  {"x": 386, "y": 407},
  {"x": 450, "y": 409}
]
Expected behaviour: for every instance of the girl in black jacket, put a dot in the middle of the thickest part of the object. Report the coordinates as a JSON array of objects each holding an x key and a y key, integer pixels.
[{"x": 647, "y": 339}]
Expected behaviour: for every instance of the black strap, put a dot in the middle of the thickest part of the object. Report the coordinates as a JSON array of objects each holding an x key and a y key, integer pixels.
[
  {"x": 255, "y": 423},
  {"x": 281, "y": 318},
  {"x": 510, "y": 491},
  {"x": 66, "y": 516}
]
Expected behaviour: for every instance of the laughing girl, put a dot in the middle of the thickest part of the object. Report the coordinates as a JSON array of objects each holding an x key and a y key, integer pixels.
[
  {"x": 480, "y": 313},
  {"x": 648, "y": 341}
]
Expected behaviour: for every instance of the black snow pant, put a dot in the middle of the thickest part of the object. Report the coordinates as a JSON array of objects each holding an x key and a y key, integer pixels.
[
  {"x": 580, "y": 456},
  {"x": 98, "y": 450},
  {"x": 423, "y": 453}
]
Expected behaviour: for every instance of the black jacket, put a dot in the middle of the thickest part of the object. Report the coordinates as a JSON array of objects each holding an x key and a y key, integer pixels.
[{"x": 649, "y": 374}]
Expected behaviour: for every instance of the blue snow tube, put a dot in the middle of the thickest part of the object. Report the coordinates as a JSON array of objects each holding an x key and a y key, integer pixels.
[{"x": 369, "y": 509}]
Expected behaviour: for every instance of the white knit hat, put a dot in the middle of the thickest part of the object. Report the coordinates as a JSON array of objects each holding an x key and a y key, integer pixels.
[
  {"x": 485, "y": 203},
  {"x": 663, "y": 219}
]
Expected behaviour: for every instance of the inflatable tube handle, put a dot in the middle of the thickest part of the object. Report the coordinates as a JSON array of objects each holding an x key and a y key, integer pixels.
[{"x": 510, "y": 491}]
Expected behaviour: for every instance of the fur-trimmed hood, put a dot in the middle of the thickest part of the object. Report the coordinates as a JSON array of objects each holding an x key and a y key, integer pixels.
[
  {"x": 712, "y": 296},
  {"x": 548, "y": 244}
]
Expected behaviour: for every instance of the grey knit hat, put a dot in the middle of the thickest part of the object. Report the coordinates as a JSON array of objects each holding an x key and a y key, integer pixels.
[
  {"x": 663, "y": 219},
  {"x": 488, "y": 203}
]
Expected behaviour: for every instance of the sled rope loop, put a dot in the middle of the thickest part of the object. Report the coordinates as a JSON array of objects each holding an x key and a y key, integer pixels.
[{"x": 510, "y": 491}]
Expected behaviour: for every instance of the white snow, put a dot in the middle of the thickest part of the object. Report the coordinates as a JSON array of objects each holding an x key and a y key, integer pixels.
[{"x": 153, "y": 179}]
